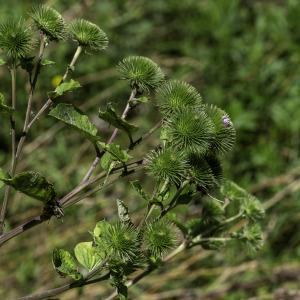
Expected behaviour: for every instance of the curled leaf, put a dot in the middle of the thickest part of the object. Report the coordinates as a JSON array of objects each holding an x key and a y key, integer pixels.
[
  {"x": 65, "y": 87},
  {"x": 123, "y": 212},
  {"x": 5, "y": 109},
  {"x": 65, "y": 264},
  {"x": 111, "y": 117},
  {"x": 31, "y": 184}
]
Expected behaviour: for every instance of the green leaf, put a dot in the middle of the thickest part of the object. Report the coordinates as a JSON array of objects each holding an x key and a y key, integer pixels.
[
  {"x": 2, "y": 62},
  {"x": 113, "y": 153},
  {"x": 32, "y": 184},
  {"x": 100, "y": 228},
  {"x": 27, "y": 63},
  {"x": 87, "y": 255},
  {"x": 139, "y": 100},
  {"x": 65, "y": 264},
  {"x": 5, "y": 109},
  {"x": 65, "y": 87},
  {"x": 116, "y": 151},
  {"x": 106, "y": 161},
  {"x": 123, "y": 212},
  {"x": 250, "y": 205},
  {"x": 47, "y": 62},
  {"x": 110, "y": 116},
  {"x": 76, "y": 119},
  {"x": 138, "y": 188},
  {"x": 251, "y": 236},
  {"x": 142, "y": 99},
  {"x": 3, "y": 176}
]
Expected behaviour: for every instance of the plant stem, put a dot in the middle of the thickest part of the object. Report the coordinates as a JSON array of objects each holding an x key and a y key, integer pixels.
[
  {"x": 33, "y": 82},
  {"x": 49, "y": 101},
  {"x": 36, "y": 220},
  {"x": 13, "y": 146},
  {"x": 86, "y": 281},
  {"x": 97, "y": 189},
  {"x": 16, "y": 153},
  {"x": 151, "y": 207},
  {"x": 140, "y": 276},
  {"x": 198, "y": 240},
  {"x": 146, "y": 135},
  {"x": 173, "y": 202},
  {"x": 111, "y": 139},
  {"x": 73, "y": 284}
]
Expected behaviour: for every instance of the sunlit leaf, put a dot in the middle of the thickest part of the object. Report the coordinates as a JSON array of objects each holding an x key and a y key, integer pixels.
[
  {"x": 87, "y": 255},
  {"x": 65, "y": 264},
  {"x": 65, "y": 87},
  {"x": 74, "y": 118}
]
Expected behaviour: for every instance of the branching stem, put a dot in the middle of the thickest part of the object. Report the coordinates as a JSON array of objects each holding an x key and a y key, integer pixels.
[
  {"x": 111, "y": 139},
  {"x": 49, "y": 101}
]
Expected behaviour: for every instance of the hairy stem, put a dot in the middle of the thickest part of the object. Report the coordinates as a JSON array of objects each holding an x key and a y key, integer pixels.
[
  {"x": 173, "y": 202},
  {"x": 111, "y": 139},
  {"x": 49, "y": 101},
  {"x": 146, "y": 135},
  {"x": 13, "y": 147},
  {"x": 33, "y": 82},
  {"x": 36, "y": 220}
]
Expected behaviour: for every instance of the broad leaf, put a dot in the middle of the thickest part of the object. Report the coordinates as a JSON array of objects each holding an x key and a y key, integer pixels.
[
  {"x": 87, "y": 255},
  {"x": 113, "y": 153},
  {"x": 3, "y": 176},
  {"x": 67, "y": 87},
  {"x": 5, "y": 109},
  {"x": 100, "y": 228},
  {"x": 74, "y": 118},
  {"x": 2, "y": 62},
  {"x": 65, "y": 264},
  {"x": 116, "y": 151},
  {"x": 33, "y": 185},
  {"x": 110, "y": 116},
  {"x": 106, "y": 161}
]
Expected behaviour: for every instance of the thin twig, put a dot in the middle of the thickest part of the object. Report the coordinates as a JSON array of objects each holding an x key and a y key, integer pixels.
[
  {"x": 49, "y": 101},
  {"x": 146, "y": 135},
  {"x": 291, "y": 188},
  {"x": 36, "y": 220},
  {"x": 111, "y": 139},
  {"x": 73, "y": 284},
  {"x": 16, "y": 150},
  {"x": 33, "y": 82},
  {"x": 13, "y": 147}
]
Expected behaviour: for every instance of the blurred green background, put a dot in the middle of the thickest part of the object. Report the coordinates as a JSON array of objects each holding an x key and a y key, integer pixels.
[{"x": 243, "y": 56}]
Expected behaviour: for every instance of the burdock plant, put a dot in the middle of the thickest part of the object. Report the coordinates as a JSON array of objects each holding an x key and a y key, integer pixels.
[{"x": 185, "y": 167}]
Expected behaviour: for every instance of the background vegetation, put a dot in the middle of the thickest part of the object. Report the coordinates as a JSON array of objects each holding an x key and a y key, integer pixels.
[{"x": 243, "y": 56}]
